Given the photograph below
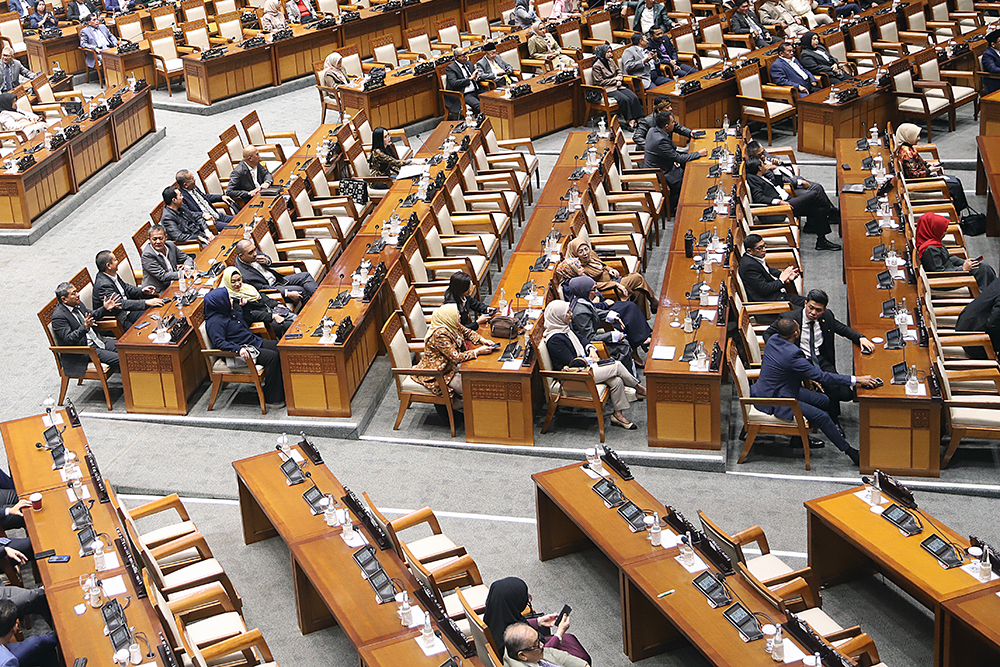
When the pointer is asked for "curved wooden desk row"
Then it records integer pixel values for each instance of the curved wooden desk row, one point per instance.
(80, 636)
(329, 588)
(57, 173)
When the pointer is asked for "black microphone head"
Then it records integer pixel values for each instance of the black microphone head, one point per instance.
(341, 276)
(307, 474)
(330, 304)
(367, 246)
(864, 478)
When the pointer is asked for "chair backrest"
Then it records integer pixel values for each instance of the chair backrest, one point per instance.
(481, 635)
(196, 34)
(722, 539)
(210, 181)
(418, 41)
(359, 163)
(300, 199)
(413, 313)
(282, 220)
(456, 196)
(161, 43)
(141, 237)
(942, 376)
(194, 10)
(750, 338)
(22, 102)
(422, 574)
(129, 27)
(443, 216)
(965, 5)
(380, 518)
(684, 38)
(939, 10)
(43, 89)
(862, 37)
(397, 279)
(224, 7)
(927, 64)
(230, 26)
(506, 9)
(836, 45)
(231, 139)
(384, 50)
(887, 28)
(478, 22)
(569, 34)
(321, 186)
(330, 7)
(362, 127)
(510, 54)
(711, 30)
(448, 31)
(351, 60)
(163, 17)
(544, 9)
(544, 360)
(253, 129)
(415, 266)
(85, 286)
(738, 371)
(600, 26)
(915, 19)
(748, 81)
(125, 271)
(902, 77)
(10, 27)
(777, 603)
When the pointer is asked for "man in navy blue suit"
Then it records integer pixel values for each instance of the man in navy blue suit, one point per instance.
(786, 70)
(991, 63)
(783, 368)
(201, 204)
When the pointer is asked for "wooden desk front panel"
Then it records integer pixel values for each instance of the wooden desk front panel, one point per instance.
(374, 25)
(295, 57)
(970, 636)
(23, 197)
(498, 407)
(64, 50)
(92, 150)
(159, 379)
(901, 437)
(229, 75)
(820, 125)
(30, 467)
(702, 107)
(989, 114)
(118, 68)
(133, 121)
(398, 104)
(683, 411)
(534, 115)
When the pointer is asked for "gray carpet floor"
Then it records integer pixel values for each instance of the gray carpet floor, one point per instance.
(484, 499)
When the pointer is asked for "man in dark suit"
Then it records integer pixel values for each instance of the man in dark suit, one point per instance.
(181, 224)
(666, 54)
(38, 650)
(162, 260)
(201, 204)
(818, 326)
(462, 76)
(249, 177)
(982, 315)
(782, 173)
(646, 123)
(762, 282)
(95, 36)
(783, 368)
(12, 71)
(79, 11)
(255, 267)
(649, 14)
(786, 70)
(812, 204)
(991, 63)
(73, 324)
(661, 153)
(745, 21)
(135, 300)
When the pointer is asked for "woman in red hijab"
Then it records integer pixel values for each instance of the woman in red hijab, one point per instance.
(934, 257)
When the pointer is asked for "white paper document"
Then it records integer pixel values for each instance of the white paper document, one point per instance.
(664, 352)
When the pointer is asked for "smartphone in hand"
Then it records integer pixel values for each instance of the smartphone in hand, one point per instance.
(565, 612)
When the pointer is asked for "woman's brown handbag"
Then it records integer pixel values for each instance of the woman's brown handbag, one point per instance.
(502, 326)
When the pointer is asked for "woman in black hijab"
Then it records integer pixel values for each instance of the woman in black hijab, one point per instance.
(506, 601)
(13, 119)
(606, 74)
(815, 58)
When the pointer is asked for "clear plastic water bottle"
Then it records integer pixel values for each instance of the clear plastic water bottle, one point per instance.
(725, 122)
(912, 382)
(182, 281)
(330, 511)
(405, 611)
(427, 633)
(655, 531)
(602, 128)
(778, 650)
(98, 548)
(985, 566)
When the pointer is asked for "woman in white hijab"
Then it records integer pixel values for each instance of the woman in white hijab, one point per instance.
(334, 75)
(915, 166)
(567, 352)
(273, 18)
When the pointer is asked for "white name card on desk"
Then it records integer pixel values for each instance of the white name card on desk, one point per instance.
(709, 314)
(921, 390)
(664, 352)
(110, 561)
(695, 567)
(72, 496)
(512, 365)
(973, 571)
(436, 647)
(56, 420)
(793, 655)
(113, 586)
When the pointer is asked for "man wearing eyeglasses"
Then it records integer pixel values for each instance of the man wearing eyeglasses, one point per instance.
(762, 282)
(526, 648)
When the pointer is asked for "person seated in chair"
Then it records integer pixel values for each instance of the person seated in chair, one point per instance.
(12, 71)
(638, 60)
(524, 647)
(181, 224)
(991, 63)
(42, 18)
(666, 54)
(249, 177)
(95, 36)
(494, 68)
(73, 324)
(661, 153)
(462, 76)
(812, 204)
(915, 166)
(931, 229)
(134, 300)
(162, 260)
(762, 282)
(646, 123)
(79, 11)
(781, 173)
(745, 21)
(543, 46)
(786, 70)
(257, 307)
(202, 204)
(817, 59)
(39, 650)
(773, 12)
(255, 267)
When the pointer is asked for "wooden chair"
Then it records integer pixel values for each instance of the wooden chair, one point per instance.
(125, 270)
(352, 61)
(258, 137)
(497, 148)
(571, 389)
(418, 41)
(230, 27)
(163, 17)
(757, 422)
(408, 389)
(913, 104)
(957, 96)
(891, 38)
(572, 41)
(461, 247)
(212, 615)
(968, 416)
(384, 51)
(129, 27)
(436, 549)
(449, 34)
(489, 226)
(950, 24)
(767, 567)
(445, 580)
(250, 641)
(194, 10)
(233, 142)
(501, 182)
(689, 51)
(413, 317)
(328, 7)
(512, 56)
(219, 371)
(95, 369)
(334, 218)
(446, 94)
(167, 63)
(486, 647)
(223, 7)
(764, 102)
(362, 129)
(606, 105)
(11, 34)
(484, 163)
(314, 241)
(477, 24)
(863, 48)
(329, 97)
(196, 35)
(713, 33)
(326, 201)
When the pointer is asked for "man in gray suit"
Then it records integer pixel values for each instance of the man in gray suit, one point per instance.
(637, 61)
(494, 68)
(96, 36)
(162, 260)
(12, 71)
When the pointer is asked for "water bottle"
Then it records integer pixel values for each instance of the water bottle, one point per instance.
(903, 317)
(985, 566)
(131, 81)
(655, 531)
(181, 281)
(687, 551)
(688, 324)
(778, 650)
(427, 633)
(689, 244)
(405, 611)
(912, 383)
(98, 548)
(725, 122)
(330, 511)
(602, 128)
(704, 295)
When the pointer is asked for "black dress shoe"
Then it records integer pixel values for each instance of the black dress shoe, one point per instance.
(825, 244)
(854, 455)
(814, 443)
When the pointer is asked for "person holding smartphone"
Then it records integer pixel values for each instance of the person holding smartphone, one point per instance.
(472, 311)
(525, 647)
(931, 229)
(505, 606)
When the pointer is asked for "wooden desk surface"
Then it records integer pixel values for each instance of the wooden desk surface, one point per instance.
(865, 299)
(979, 610)
(569, 487)
(30, 467)
(989, 150)
(403, 650)
(851, 518)
(282, 503)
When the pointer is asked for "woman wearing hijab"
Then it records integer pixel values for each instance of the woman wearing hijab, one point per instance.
(607, 74)
(256, 307)
(505, 604)
(383, 160)
(472, 311)
(227, 330)
(590, 310)
(637, 329)
(915, 166)
(524, 15)
(931, 228)
(444, 349)
(815, 58)
(273, 18)
(632, 287)
(568, 352)
(13, 119)
(543, 46)
(334, 74)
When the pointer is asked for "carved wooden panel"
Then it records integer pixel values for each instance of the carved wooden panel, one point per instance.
(920, 419)
(298, 363)
(683, 393)
(489, 391)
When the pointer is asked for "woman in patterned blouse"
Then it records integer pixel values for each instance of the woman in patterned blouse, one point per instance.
(383, 160)
(444, 350)
(915, 166)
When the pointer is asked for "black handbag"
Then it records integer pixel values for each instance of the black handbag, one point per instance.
(593, 97)
(973, 223)
(356, 189)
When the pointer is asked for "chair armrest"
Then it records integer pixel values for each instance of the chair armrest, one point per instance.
(183, 543)
(243, 642)
(172, 501)
(752, 534)
(284, 134)
(422, 515)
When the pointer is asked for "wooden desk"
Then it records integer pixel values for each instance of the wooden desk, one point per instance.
(238, 71)
(294, 57)
(403, 100)
(547, 108)
(822, 124)
(403, 650)
(118, 68)
(847, 540)
(970, 636)
(30, 467)
(64, 50)
(25, 196)
(989, 156)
